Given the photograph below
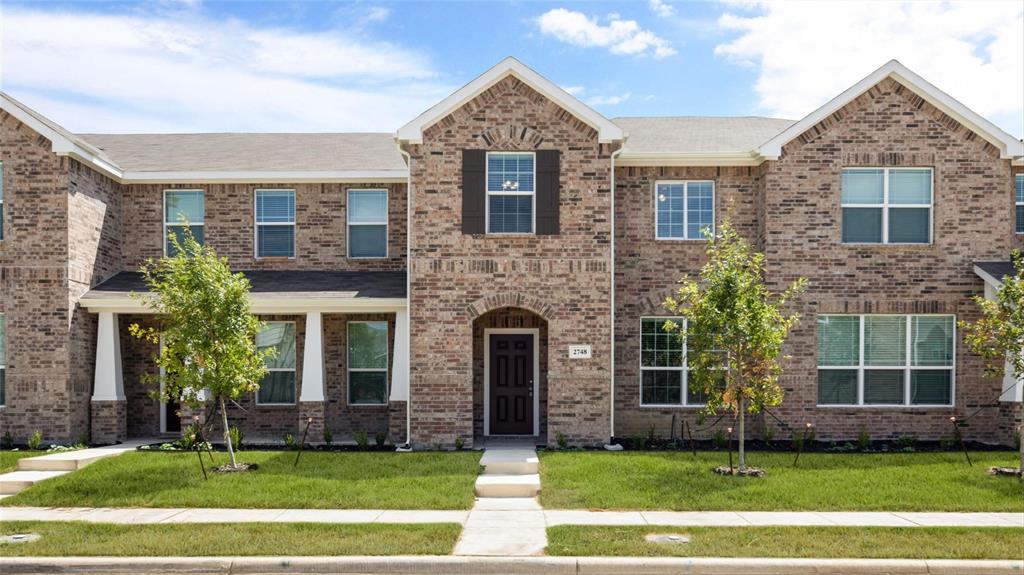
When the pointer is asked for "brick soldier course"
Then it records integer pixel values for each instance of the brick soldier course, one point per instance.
(78, 216)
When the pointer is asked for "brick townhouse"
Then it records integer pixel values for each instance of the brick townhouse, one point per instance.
(496, 266)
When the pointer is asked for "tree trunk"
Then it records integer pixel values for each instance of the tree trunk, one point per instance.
(740, 415)
(227, 434)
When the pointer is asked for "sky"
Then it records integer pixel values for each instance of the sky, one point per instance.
(210, 66)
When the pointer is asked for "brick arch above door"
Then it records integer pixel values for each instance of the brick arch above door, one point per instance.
(509, 299)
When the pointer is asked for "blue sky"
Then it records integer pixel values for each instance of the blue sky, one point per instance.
(201, 65)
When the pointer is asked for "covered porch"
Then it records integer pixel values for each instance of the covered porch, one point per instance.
(323, 323)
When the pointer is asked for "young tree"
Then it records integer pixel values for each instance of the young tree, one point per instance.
(998, 336)
(206, 329)
(734, 329)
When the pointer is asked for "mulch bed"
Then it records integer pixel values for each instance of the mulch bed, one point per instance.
(1011, 471)
(748, 472)
(241, 467)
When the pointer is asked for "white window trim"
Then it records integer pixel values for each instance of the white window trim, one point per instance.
(685, 368)
(1017, 178)
(349, 370)
(166, 223)
(489, 193)
(295, 383)
(257, 224)
(686, 210)
(3, 361)
(349, 223)
(908, 368)
(885, 205)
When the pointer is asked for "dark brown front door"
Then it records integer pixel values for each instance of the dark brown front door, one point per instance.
(172, 423)
(511, 384)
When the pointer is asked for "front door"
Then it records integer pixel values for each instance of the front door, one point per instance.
(510, 377)
(172, 423)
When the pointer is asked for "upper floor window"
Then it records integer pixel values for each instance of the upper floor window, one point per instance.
(3, 361)
(684, 209)
(368, 362)
(664, 375)
(278, 385)
(887, 205)
(187, 204)
(885, 359)
(510, 192)
(367, 223)
(275, 223)
(1019, 197)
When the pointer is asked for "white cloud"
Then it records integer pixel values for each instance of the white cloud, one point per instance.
(808, 52)
(188, 72)
(574, 90)
(618, 35)
(661, 8)
(608, 100)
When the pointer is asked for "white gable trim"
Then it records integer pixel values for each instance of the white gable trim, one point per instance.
(1009, 146)
(63, 143)
(607, 130)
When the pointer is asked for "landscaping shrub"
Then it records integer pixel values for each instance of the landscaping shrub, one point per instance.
(459, 444)
(905, 443)
(381, 437)
(719, 440)
(362, 440)
(289, 441)
(35, 440)
(7, 442)
(328, 436)
(236, 436)
(560, 439)
(863, 439)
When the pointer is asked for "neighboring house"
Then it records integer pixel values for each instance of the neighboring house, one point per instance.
(475, 274)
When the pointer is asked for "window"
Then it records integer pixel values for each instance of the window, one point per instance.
(1018, 197)
(663, 369)
(275, 223)
(187, 204)
(3, 361)
(887, 205)
(278, 386)
(684, 210)
(367, 223)
(368, 362)
(510, 193)
(885, 359)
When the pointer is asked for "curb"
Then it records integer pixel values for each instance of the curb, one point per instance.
(432, 565)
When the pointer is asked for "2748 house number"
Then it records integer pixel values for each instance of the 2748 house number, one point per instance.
(579, 352)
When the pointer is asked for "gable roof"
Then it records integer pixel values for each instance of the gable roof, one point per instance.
(607, 130)
(695, 140)
(1009, 147)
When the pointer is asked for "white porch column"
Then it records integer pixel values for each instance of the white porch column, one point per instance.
(400, 366)
(313, 359)
(108, 385)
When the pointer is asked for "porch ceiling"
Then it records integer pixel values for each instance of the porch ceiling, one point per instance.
(276, 291)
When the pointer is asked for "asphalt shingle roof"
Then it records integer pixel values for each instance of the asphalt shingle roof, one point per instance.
(368, 284)
(696, 134)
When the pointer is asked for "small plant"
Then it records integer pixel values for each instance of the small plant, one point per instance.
(905, 443)
(362, 440)
(652, 436)
(189, 436)
(289, 441)
(328, 436)
(236, 436)
(35, 440)
(7, 442)
(863, 439)
(62, 448)
(769, 433)
(844, 448)
(638, 442)
(459, 444)
(84, 438)
(381, 437)
(719, 440)
(560, 439)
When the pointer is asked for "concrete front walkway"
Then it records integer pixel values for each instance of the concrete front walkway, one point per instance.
(507, 516)
(32, 470)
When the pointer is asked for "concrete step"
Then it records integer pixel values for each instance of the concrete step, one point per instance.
(508, 485)
(506, 461)
(512, 468)
(16, 481)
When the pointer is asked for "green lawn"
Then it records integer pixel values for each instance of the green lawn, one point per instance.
(823, 482)
(68, 538)
(348, 480)
(819, 542)
(9, 459)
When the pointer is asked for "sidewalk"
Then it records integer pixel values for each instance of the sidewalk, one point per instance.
(551, 517)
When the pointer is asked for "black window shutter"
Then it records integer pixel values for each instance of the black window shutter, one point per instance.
(474, 191)
(547, 192)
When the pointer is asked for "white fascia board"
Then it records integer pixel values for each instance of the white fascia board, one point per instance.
(690, 159)
(247, 177)
(989, 278)
(1017, 162)
(1009, 146)
(262, 303)
(607, 130)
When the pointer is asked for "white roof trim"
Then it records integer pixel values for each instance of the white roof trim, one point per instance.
(989, 278)
(254, 177)
(1009, 146)
(607, 130)
(63, 143)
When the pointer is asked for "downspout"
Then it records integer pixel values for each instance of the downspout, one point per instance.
(611, 417)
(408, 291)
